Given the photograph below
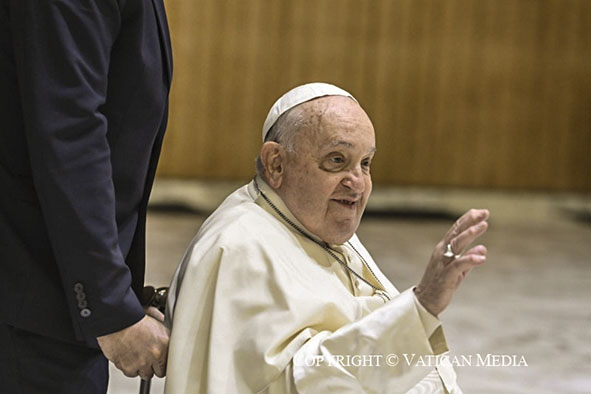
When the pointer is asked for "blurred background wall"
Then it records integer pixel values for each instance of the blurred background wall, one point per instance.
(492, 94)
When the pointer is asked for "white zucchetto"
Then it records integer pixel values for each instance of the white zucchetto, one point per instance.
(299, 95)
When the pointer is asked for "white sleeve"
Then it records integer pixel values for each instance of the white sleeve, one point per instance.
(377, 353)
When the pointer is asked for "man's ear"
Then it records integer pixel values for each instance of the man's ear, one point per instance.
(273, 158)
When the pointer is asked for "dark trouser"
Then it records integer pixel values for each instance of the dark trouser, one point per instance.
(34, 364)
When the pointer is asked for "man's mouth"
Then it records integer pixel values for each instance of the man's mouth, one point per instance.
(348, 203)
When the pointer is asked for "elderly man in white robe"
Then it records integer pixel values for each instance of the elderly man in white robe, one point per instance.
(276, 293)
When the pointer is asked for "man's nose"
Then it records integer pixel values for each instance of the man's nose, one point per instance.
(354, 180)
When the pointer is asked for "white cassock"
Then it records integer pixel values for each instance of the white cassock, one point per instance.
(256, 307)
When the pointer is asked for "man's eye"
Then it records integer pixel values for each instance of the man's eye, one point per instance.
(334, 163)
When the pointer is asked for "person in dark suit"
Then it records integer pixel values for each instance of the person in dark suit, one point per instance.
(84, 88)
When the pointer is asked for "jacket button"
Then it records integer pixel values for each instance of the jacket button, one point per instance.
(82, 304)
(78, 287)
(85, 312)
(80, 296)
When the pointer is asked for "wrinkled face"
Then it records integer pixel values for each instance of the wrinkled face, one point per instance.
(326, 181)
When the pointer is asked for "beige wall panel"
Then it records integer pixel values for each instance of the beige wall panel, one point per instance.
(471, 93)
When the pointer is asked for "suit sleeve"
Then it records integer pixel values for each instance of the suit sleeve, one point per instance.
(62, 52)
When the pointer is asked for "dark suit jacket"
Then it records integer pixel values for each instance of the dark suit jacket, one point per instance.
(83, 108)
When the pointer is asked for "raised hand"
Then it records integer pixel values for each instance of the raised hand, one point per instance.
(444, 274)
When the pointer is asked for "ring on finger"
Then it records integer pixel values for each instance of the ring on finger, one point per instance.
(449, 253)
